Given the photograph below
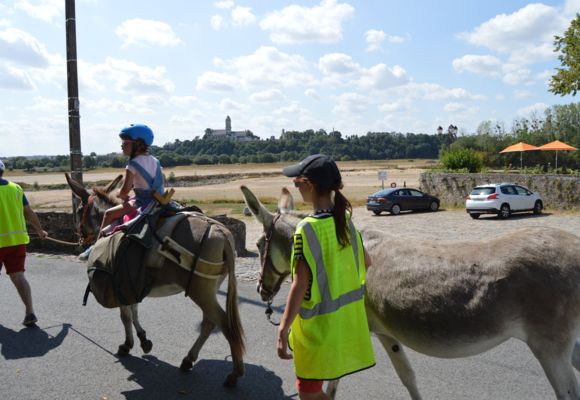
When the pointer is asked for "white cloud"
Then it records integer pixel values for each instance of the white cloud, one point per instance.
(522, 94)
(228, 105)
(396, 106)
(125, 77)
(313, 94)
(515, 74)
(526, 27)
(537, 108)
(351, 103)
(14, 78)
(267, 96)
(268, 67)
(45, 10)
(218, 82)
(20, 47)
(242, 16)
(224, 4)
(481, 65)
(184, 101)
(105, 105)
(338, 64)
(454, 107)
(298, 24)
(216, 22)
(381, 77)
(374, 39)
(147, 32)
(571, 7)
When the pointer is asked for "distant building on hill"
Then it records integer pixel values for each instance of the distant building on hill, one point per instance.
(240, 136)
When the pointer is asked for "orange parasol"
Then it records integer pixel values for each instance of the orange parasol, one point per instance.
(557, 145)
(521, 147)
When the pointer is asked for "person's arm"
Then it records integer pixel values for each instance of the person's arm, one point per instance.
(33, 220)
(127, 186)
(295, 297)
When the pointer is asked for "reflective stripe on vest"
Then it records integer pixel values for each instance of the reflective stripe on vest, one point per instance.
(327, 303)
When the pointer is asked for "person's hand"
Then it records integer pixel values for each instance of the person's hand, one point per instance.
(42, 234)
(282, 345)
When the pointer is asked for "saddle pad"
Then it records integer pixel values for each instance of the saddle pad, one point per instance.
(154, 259)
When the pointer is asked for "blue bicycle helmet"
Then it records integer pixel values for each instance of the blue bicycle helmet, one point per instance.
(136, 132)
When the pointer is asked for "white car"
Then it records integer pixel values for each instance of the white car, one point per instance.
(502, 199)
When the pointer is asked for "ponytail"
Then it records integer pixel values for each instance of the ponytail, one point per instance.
(341, 206)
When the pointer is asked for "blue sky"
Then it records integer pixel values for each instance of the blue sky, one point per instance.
(181, 66)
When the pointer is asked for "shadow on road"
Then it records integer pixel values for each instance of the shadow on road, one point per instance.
(29, 342)
(160, 380)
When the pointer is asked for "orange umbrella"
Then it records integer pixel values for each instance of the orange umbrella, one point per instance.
(521, 147)
(557, 145)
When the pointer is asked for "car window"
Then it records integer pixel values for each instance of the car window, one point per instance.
(404, 192)
(508, 190)
(522, 191)
(483, 190)
(415, 193)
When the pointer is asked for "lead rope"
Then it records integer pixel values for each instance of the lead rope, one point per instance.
(269, 313)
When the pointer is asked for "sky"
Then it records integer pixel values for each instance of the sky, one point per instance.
(182, 66)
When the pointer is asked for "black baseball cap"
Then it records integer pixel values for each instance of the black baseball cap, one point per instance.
(319, 169)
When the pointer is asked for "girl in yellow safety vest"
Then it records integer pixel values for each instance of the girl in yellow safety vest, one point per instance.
(325, 323)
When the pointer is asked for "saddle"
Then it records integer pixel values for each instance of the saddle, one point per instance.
(118, 266)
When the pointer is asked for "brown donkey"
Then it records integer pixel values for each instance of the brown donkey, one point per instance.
(217, 250)
(453, 300)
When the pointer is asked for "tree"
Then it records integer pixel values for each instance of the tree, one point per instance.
(567, 79)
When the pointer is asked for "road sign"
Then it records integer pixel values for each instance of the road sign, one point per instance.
(382, 178)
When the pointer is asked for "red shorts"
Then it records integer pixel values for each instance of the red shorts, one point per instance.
(13, 258)
(308, 385)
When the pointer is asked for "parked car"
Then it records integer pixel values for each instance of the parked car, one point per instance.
(502, 199)
(395, 200)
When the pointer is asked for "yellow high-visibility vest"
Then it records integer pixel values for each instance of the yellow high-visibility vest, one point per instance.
(330, 336)
(12, 222)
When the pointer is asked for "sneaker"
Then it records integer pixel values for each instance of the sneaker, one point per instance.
(30, 320)
(84, 256)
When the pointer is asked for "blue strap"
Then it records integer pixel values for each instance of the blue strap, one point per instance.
(155, 184)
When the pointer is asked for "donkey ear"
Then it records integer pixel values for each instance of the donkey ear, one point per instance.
(111, 186)
(260, 212)
(77, 188)
(286, 201)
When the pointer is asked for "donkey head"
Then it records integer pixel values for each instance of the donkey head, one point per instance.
(89, 213)
(275, 244)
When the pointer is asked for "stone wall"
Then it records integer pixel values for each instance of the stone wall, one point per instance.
(558, 191)
(60, 226)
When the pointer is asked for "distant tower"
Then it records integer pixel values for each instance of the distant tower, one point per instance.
(228, 125)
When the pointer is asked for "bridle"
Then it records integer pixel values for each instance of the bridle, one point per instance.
(87, 206)
(267, 264)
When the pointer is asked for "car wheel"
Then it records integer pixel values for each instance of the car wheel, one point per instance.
(434, 206)
(377, 212)
(538, 207)
(474, 216)
(396, 209)
(504, 211)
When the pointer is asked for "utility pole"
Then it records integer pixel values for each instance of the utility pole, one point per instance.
(74, 127)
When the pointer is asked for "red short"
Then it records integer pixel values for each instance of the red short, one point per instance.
(13, 258)
(308, 385)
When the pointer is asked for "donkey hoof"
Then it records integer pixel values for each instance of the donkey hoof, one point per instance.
(231, 381)
(124, 350)
(146, 345)
(186, 365)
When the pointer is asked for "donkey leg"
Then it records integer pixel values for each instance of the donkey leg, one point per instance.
(401, 364)
(556, 360)
(207, 327)
(146, 344)
(127, 319)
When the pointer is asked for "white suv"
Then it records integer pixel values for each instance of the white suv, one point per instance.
(502, 199)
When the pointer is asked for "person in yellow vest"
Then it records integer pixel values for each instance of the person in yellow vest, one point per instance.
(325, 323)
(14, 213)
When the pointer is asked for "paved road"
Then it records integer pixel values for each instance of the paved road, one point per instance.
(70, 354)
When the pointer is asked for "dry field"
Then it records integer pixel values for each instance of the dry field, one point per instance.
(360, 180)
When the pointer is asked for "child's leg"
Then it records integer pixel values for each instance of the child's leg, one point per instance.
(115, 213)
(310, 389)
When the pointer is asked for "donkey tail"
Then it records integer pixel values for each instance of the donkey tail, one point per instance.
(234, 324)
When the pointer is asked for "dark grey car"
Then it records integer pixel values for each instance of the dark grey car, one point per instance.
(396, 200)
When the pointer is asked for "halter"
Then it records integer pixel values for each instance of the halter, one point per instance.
(85, 213)
(267, 264)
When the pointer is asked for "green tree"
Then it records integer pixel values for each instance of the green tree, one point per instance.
(567, 79)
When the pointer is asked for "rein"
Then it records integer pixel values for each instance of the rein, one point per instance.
(267, 264)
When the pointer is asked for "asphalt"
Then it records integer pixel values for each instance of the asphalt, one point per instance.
(70, 354)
